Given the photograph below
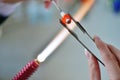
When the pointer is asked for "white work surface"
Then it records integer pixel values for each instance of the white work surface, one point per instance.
(25, 35)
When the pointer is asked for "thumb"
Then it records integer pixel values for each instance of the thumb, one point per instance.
(93, 65)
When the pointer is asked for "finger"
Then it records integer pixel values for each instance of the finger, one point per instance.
(115, 51)
(94, 69)
(109, 59)
(104, 50)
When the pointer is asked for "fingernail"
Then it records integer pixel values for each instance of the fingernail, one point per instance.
(96, 38)
(86, 53)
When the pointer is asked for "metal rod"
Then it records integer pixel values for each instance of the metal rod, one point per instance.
(56, 5)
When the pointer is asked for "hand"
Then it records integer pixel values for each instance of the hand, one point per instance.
(12, 1)
(111, 59)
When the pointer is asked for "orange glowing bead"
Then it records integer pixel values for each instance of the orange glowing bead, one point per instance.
(66, 19)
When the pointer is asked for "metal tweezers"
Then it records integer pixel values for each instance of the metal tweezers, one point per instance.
(76, 37)
(74, 34)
